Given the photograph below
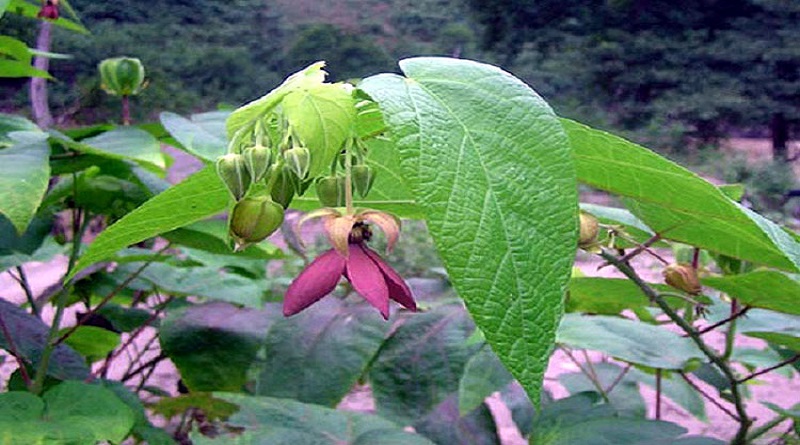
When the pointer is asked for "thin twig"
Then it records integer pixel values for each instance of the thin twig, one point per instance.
(639, 248)
(709, 397)
(152, 361)
(12, 348)
(765, 428)
(587, 373)
(721, 322)
(618, 378)
(788, 361)
(658, 394)
(26, 287)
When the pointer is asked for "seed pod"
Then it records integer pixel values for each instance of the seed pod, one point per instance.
(284, 188)
(299, 160)
(330, 191)
(257, 159)
(363, 178)
(254, 219)
(122, 76)
(683, 277)
(233, 172)
(589, 229)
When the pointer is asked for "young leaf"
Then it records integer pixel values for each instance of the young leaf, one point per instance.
(491, 169)
(24, 174)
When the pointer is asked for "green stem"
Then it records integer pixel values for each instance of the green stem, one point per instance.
(744, 420)
(348, 184)
(730, 334)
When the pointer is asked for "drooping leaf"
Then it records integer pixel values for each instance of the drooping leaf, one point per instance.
(198, 135)
(766, 289)
(318, 355)
(214, 344)
(421, 364)
(196, 198)
(483, 375)
(24, 174)
(628, 340)
(126, 143)
(676, 203)
(29, 335)
(268, 421)
(490, 167)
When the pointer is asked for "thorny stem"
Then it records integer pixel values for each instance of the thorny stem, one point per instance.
(788, 361)
(744, 420)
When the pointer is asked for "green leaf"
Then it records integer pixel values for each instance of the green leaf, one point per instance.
(483, 375)
(142, 428)
(446, 425)
(421, 364)
(318, 355)
(611, 296)
(24, 175)
(213, 408)
(197, 134)
(766, 289)
(14, 68)
(93, 407)
(323, 117)
(29, 334)
(26, 9)
(677, 203)
(628, 340)
(214, 344)
(268, 421)
(198, 197)
(674, 387)
(211, 236)
(126, 143)
(3, 6)
(93, 342)
(20, 406)
(492, 171)
(10, 123)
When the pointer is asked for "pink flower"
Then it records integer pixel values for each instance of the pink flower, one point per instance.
(49, 10)
(369, 275)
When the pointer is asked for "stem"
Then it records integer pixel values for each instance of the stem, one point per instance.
(618, 378)
(730, 334)
(38, 88)
(744, 420)
(592, 378)
(348, 185)
(12, 348)
(658, 394)
(763, 429)
(126, 110)
(722, 322)
(641, 247)
(788, 361)
(708, 397)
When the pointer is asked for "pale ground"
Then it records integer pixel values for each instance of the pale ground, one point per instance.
(772, 387)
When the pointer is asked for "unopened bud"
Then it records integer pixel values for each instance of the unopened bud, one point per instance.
(254, 219)
(330, 191)
(683, 277)
(283, 188)
(257, 159)
(589, 230)
(363, 178)
(122, 76)
(299, 160)
(233, 172)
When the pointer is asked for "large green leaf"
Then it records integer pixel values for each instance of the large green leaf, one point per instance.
(318, 355)
(268, 421)
(610, 296)
(490, 167)
(198, 197)
(24, 174)
(214, 344)
(12, 122)
(766, 289)
(93, 342)
(95, 407)
(677, 203)
(628, 340)
(483, 375)
(28, 336)
(421, 364)
(199, 135)
(126, 143)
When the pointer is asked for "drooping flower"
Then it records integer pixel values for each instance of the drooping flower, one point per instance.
(367, 272)
(49, 10)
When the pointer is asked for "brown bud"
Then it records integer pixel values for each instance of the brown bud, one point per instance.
(589, 229)
(683, 277)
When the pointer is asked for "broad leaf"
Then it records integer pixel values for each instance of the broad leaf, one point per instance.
(15, 68)
(676, 203)
(446, 425)
(211, 236)
(142, 428)
(318, 355)
(483, 375)
(610, 296)
(421, 364)
(24, 174)
(126, 143)
(198, 197)
(624, 396)
(11, 123)
(98, 408)
(93, 342)
(628, 340)
(766, 289)
(29, 335)
(197, 135)
(491, 169)
(214, 344)
(268, 421)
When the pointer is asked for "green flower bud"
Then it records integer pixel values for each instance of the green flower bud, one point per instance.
(284, 187)
(363, 178)
(299, 160)
(257, 159)
(683, 277)
(254, 219)
(122, 76)
(330, 191)
(233, 172)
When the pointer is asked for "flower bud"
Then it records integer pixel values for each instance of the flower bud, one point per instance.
(122, 76)
(299, 160)
(330, 191)
(589, 229)
(254, 219)
(233, 172)
(257, 159)
(363, 177)
(683, 277)
(283, 188)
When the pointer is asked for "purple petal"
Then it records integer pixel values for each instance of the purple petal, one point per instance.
(398, 289)
(367, 279)
(314, 282)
